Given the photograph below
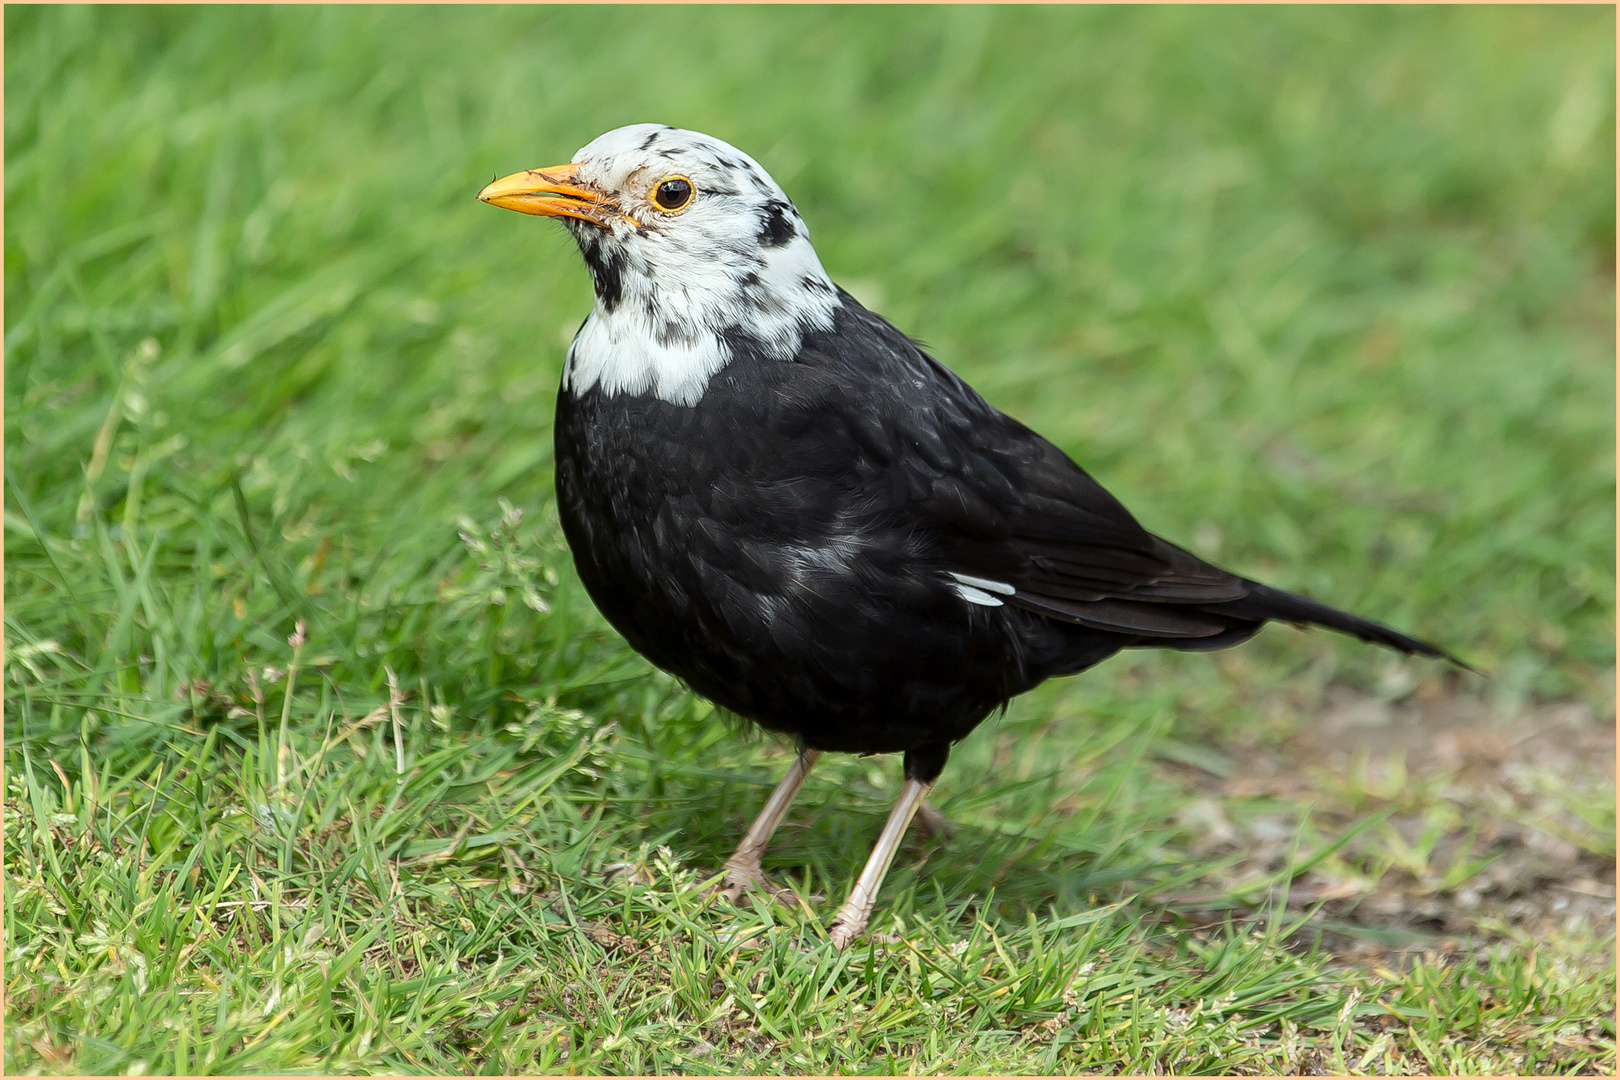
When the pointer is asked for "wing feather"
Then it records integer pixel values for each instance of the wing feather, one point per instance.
(1005, 507)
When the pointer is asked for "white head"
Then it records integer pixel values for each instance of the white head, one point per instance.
(691, 245)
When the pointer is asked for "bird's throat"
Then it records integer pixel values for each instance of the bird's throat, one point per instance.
(665, 326)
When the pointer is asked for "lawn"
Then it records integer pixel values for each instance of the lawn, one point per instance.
(318, 758)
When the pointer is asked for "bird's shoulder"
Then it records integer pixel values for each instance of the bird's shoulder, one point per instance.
(1007, 506)
(868, 382)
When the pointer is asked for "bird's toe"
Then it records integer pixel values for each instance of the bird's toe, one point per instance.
(728, 889)
(739, 880)
(842, 933)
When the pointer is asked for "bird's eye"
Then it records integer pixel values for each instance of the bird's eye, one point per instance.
(673, 194)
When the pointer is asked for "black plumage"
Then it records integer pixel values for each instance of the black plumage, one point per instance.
(778, 497)
(784, 547)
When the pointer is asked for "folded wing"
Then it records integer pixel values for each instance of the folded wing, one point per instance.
(1028, 527)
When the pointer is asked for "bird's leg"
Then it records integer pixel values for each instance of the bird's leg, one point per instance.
(742, 870)
(850, 922)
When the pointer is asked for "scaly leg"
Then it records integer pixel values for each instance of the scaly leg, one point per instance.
(742, 870)
(850, 923)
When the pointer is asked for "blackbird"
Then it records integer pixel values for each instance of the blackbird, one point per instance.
(785, 502)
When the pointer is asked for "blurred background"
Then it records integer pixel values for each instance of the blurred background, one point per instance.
(1326, 295)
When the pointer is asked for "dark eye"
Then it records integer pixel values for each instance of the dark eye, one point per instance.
(673, 194)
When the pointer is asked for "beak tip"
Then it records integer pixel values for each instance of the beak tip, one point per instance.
(548, 192)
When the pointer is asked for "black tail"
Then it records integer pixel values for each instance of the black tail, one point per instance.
(1264, 602)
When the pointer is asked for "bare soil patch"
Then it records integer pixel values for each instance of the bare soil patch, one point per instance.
(1500, 825)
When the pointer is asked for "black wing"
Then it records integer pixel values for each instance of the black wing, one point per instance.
(1016, 518)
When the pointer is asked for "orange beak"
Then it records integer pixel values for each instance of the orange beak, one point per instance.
(550, 192)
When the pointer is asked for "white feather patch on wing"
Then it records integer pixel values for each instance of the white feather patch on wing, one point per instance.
(984, 584)
(974, 596)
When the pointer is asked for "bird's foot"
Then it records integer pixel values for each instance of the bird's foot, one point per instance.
(842, 933)
(736, 881)
(739, 880)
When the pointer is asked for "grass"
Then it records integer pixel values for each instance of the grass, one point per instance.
(318, 759)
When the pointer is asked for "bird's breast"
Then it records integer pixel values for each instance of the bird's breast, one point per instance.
(633, 351)
(722, 509)
(774, 568)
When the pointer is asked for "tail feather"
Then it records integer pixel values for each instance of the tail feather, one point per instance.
(1264, 602)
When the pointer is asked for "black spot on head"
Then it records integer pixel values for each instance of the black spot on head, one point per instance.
(652, 137)
(776, 228)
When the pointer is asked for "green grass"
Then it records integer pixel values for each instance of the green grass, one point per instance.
(1325, 293)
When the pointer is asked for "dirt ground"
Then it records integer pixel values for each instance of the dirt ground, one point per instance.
(1502, 825)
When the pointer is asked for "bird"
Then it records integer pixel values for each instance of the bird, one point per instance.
(782, 500)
